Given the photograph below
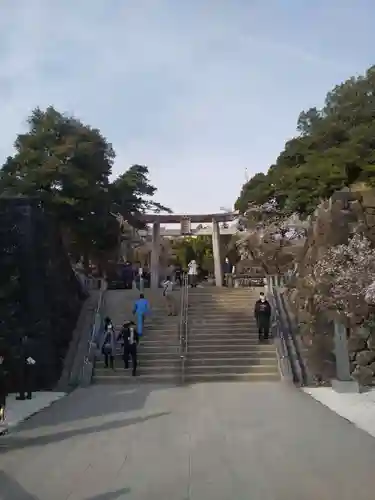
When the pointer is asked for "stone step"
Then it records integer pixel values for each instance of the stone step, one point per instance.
(215, 301)
(235, 342)
(250, 352)
(211, 312)
(160, 323)
(154, 350)
(235, 302)
(223, 315)
(228, 339)
(225, 331)
(143, 369)
(194, 299)
(152, 332)
(146, 355)
(149, 327)
(238, 360)
(159, 342)
(231, 377)
(150, 342)
(157, 349)
(228, 323)
(162, 335)
(123, 378)
(156, 361)
(237, 292)
(168, 320)
(192, 370)
(215, 347)
(223, 292)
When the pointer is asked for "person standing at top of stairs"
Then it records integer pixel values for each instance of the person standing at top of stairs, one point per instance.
(140, 310)
(262, 313)
(228, 272)
(192, 273)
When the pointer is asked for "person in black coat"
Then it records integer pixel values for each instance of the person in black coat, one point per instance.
(130, 339)
(262, 313)
(109, 343)
(26, 369)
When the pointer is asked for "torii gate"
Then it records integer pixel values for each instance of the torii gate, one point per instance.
(185, 221)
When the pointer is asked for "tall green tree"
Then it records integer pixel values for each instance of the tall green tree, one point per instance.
(335, 148)
(68, 164)
(131, 193)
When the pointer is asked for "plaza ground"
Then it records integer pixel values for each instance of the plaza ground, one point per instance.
(223, 441)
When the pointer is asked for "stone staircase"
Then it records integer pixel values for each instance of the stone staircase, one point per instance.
(158, 353)
(223, 338)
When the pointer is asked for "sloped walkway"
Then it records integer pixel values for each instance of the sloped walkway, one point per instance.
(243, 441)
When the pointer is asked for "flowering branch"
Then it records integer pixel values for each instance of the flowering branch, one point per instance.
(344, 278)
(269, 235)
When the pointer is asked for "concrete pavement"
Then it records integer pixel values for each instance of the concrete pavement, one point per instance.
(223, 441)
(18, 411)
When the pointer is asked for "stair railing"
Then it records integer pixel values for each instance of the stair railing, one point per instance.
(94, 340)
(290, 358)
(183, 324)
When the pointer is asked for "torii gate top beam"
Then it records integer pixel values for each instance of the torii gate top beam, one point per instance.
(194, 218)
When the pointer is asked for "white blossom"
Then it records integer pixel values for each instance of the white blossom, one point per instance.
(268, 235)
(344, 277)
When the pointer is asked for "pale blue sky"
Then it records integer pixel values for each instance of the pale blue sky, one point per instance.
(198, 90)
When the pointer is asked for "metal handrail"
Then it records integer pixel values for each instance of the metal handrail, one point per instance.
(183, 325)
(280, 337)
(88, 362)
(303, 372)
(288, 346)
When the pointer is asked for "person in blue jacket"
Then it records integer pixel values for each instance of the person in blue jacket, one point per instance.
(140, 310)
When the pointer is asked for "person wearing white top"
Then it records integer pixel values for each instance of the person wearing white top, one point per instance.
(192, 273)
(168, 295)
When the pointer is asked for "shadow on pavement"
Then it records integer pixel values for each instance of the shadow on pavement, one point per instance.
(12, 442)
(99, 400)
(95, 401)
(111, 495)
(10, 489)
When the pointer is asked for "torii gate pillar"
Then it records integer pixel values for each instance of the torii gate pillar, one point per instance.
(216, 253)
(155, 254)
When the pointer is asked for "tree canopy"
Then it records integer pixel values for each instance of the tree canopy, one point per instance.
(334, 148)
(68, 164)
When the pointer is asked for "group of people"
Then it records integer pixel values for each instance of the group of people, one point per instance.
(131, 331)
(129, 339)
(129, 336)
(135, 274)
